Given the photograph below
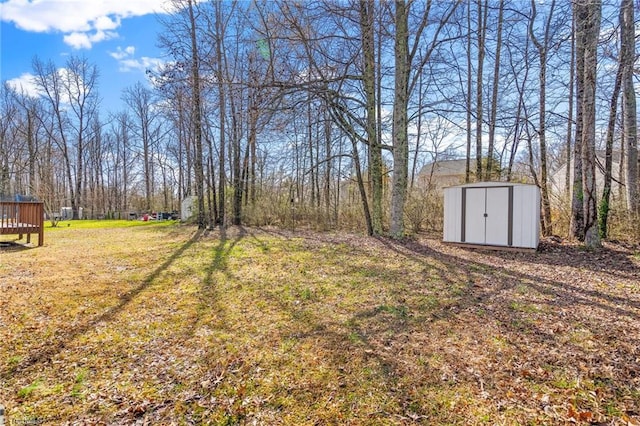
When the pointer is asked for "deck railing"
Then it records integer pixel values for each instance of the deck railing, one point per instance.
(22, 217)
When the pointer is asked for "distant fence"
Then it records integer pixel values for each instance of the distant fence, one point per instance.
(22, 217)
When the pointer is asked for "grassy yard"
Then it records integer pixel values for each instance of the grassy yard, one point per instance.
(162, 324)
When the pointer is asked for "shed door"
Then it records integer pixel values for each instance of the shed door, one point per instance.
(497, 215)
(474, 208)
(486, 216)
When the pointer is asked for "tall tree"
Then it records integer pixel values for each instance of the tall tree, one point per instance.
(572, 79)
(121, 128)
(468, 100)
(588, 13)
(483, 11)
(9, 111)
(543, 50)
(368, 79)
(630, 119)
(493, 116)
(603, 210)
(197, 114)
(72, 98)
(140, 100)
(410, 61)
(400, 119)
(577, 196)
(220, 60)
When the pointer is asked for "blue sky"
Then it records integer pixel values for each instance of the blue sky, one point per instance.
(119, 36)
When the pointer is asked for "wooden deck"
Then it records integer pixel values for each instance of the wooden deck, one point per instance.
(22, 218)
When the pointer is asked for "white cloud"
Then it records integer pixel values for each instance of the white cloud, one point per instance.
(105, 23)
(128, 62)
(25, 84)
(83, 22)
(79, 40)
(141, 64)
(121, 53)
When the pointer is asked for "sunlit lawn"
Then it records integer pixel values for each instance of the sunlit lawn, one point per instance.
(113, 322)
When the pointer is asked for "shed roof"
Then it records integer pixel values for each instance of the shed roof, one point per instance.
(490, 184)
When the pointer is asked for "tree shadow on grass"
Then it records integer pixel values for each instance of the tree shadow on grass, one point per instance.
(616, 262)
(365, 339)
(487, 298)
(374, 335)
(219, 263)
(392, 334)
(58, 344)
(512, 299)
(561, 292)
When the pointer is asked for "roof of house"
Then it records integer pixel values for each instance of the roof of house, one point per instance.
(447, 167)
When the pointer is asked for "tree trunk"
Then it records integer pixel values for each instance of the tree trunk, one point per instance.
(521, 109)
(236, 154)
(328, 164)
(542, 47)
(197, 118)
(482, 32)
(361, 189)
(369, 83)
(603, 210)
(627, 58)
(467, 171)
(222, 111)
(310, 139)
(572, 73)
(400, 121)
(577, 212)
(590, 24)
(494, 98)
(416, 153)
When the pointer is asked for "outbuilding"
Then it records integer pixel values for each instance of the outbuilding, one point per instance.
(493, 215)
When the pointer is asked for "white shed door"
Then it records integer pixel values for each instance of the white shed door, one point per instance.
(487, 216)
(497, 209)
(474, 215)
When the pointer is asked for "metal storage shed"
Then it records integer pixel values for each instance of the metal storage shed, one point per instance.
(492, 214)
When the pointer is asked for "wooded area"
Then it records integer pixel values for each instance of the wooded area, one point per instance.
(324, 113)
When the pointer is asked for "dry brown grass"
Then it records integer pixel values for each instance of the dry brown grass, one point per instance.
(165, 325)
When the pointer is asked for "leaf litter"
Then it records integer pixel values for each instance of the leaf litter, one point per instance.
(265, 326)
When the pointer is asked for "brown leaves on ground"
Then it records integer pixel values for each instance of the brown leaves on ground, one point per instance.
(170, 326)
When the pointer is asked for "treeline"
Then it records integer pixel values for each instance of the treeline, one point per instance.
(324, 112)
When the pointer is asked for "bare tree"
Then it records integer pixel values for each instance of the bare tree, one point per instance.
(140, 100)
(483, 11)
(588, 13)
(543, 50)
(220, 30)
(400, 119)
(369, 83)
(197, 114)
(570, 111)
(493, 116)
(603, 210)
(520, 124)
(410, 61)
(10, 113)
(577, 211)
(71, 95)
(468, 102)
(627, 62)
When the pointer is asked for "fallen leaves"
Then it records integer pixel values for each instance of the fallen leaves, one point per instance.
(579, 416)
(274, 327)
